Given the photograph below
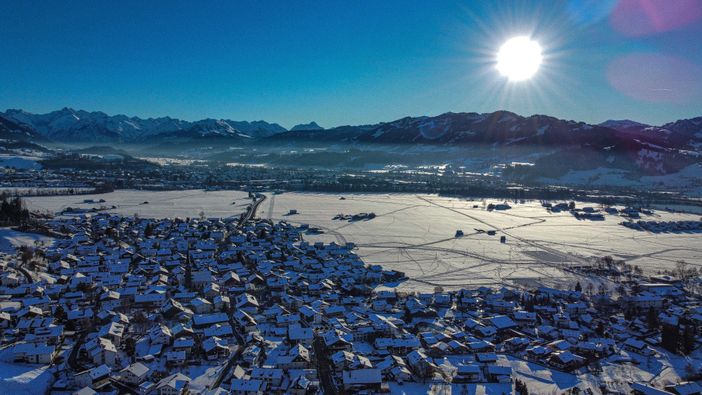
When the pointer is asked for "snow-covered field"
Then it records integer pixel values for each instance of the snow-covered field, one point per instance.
(415, 234)
(161, 204)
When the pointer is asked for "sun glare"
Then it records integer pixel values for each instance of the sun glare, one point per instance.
(519, 58)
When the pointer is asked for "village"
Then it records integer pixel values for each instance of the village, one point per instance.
(240, 305)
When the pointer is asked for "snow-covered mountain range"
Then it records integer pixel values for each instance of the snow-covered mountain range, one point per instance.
(68, 125)
(619, 143)
(501, 127)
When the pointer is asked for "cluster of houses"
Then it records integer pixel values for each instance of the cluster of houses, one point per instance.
(596, 214)
(354, 217)
(215, 306)
(664, 226)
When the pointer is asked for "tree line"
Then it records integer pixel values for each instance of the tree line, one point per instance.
(13, 211)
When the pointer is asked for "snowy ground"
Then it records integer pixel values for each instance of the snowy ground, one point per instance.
(10, 239)
(687, 181)
(415, 234)
(20, 379)
(161, 204)
(24, 379)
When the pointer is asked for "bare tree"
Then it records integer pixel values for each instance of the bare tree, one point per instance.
(26, 254)
(681, 270)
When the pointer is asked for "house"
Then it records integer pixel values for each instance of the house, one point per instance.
(297, 358)
(420, 363)
(643, 301)
(85, 391)
(565, 360)
(33, 353)
(299, 334)
(252, 354)
(247, 302)
(502, 323)
(498, 374)
(214, 348)
(661, 289)
(302, 385)
(271, 376)
(160, 334)
(94, 378)
(113, 332)
(175, 358)
(201, 305)
(347, 360)
(514, 344)
(400, 346)
(175, 384)
(201, 321)
(686, 388)
(102, 351)
(135, 373)
(637, 346)
(467, 374)
(525, 318)
(247, 387)
(362, 380)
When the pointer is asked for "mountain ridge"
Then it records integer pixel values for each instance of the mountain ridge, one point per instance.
(498, 127)
(623, 144)
(82, 126)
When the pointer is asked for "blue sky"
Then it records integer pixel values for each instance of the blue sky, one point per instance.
(345, 62)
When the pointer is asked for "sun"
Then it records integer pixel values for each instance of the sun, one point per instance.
(519, 58)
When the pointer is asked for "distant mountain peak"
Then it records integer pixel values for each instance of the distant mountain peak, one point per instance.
(621, 124)
(306, 126)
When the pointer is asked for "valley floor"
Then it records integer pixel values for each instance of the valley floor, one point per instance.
(415, 234)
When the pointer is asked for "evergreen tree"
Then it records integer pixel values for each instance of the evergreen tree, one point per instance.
(188, 272)
(600, 330)
(652, 318)
(149, 230)
(130, 348)
(688, 339)
(60, 313)
(669, 337)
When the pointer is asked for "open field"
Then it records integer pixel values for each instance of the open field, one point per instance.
(161, 203)
(415, 234)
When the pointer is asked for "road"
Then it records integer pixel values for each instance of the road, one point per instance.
(324, 368)
(26, 274)
(230, 363)
(74, 352)
(250, 213)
